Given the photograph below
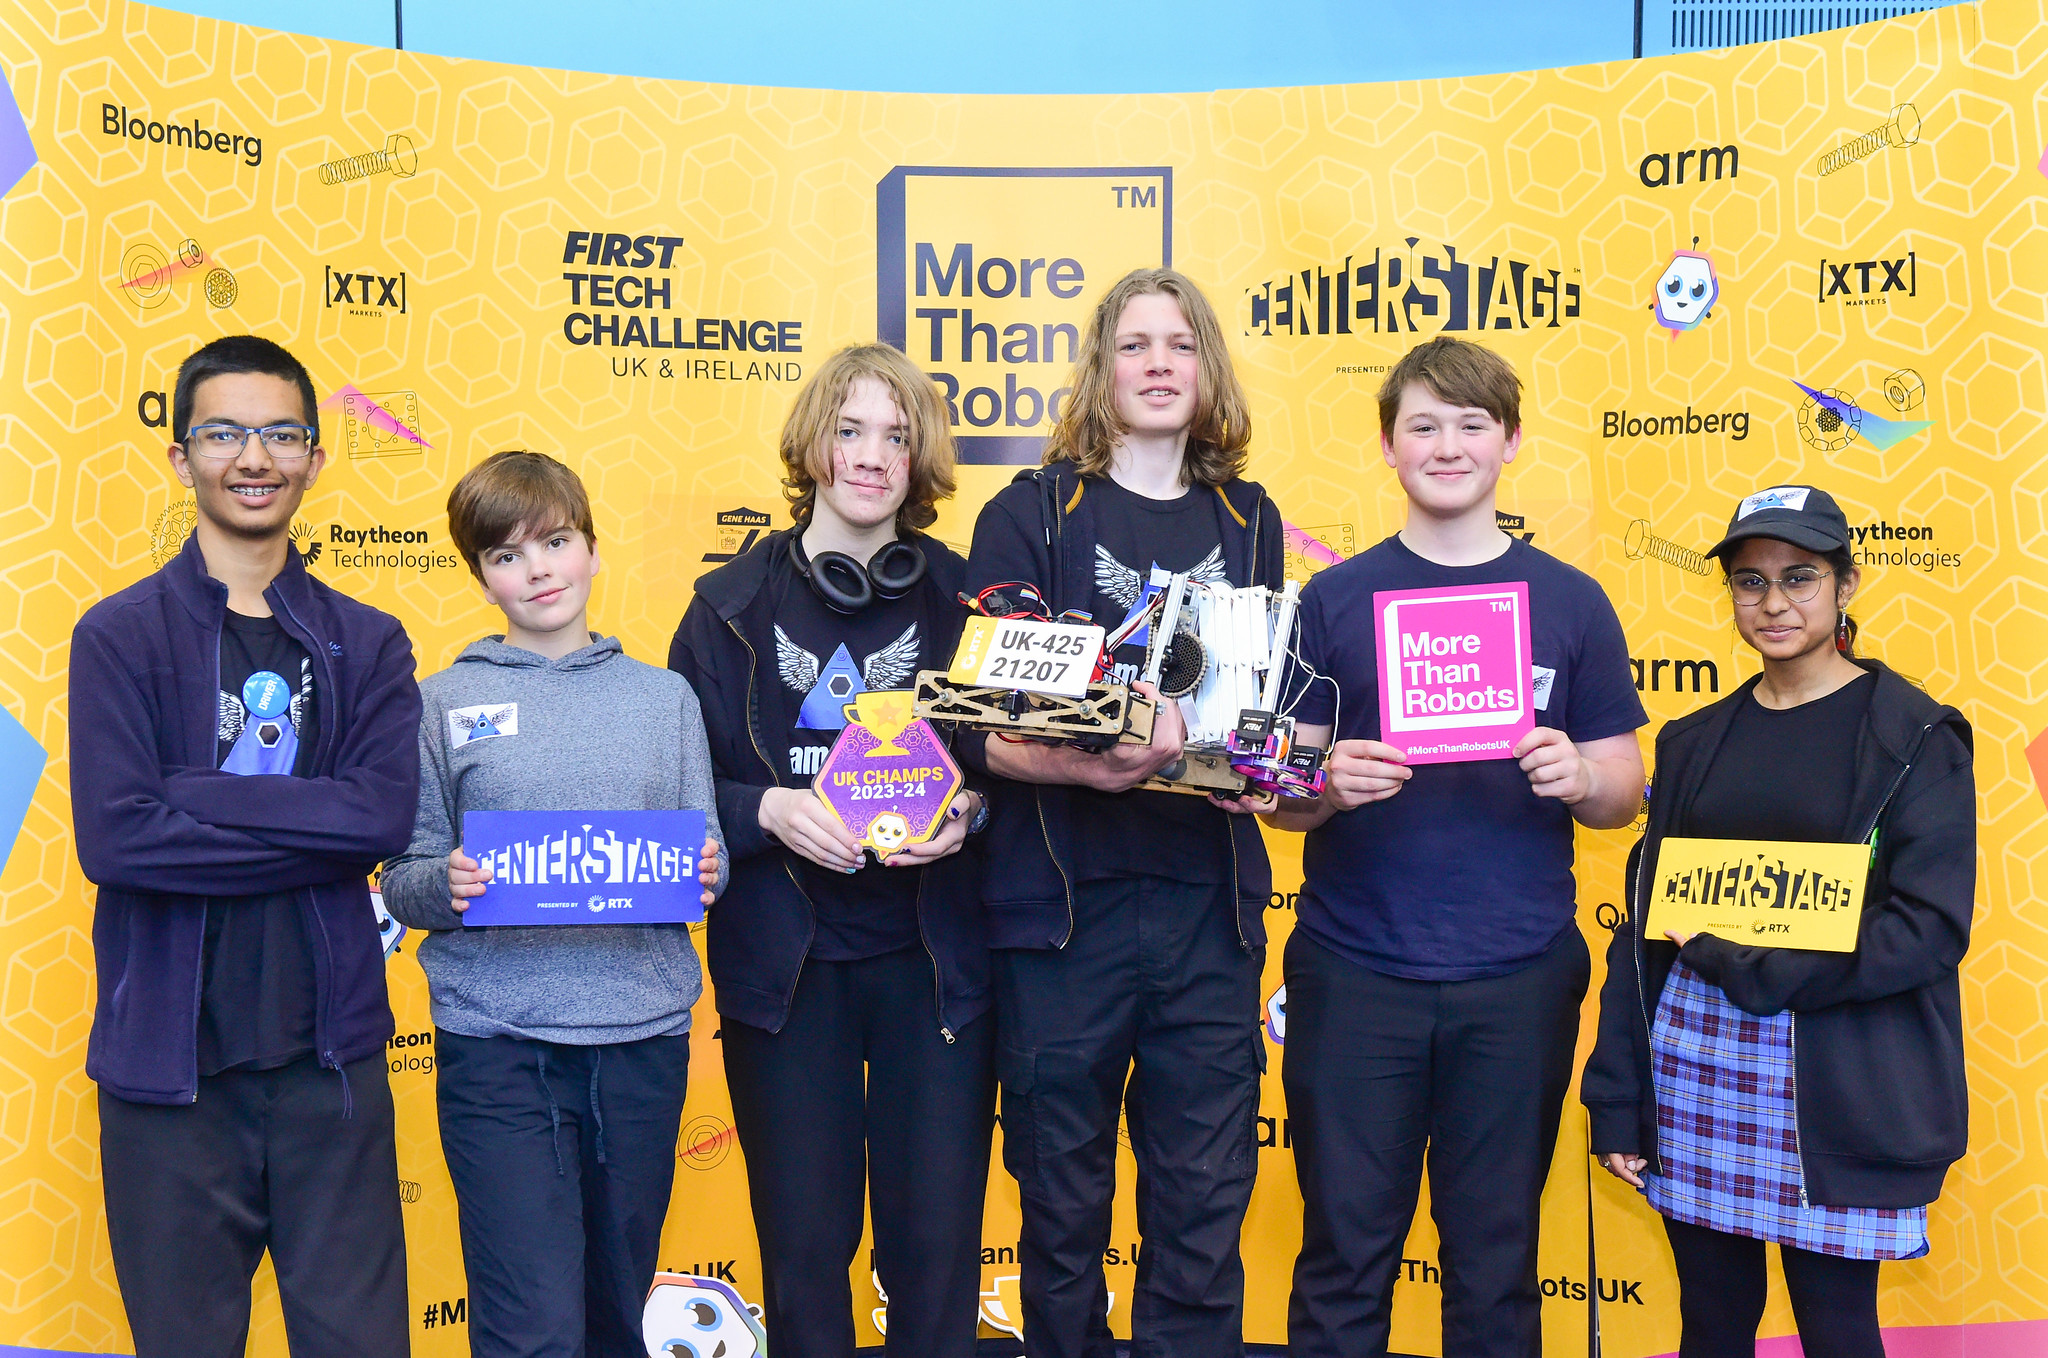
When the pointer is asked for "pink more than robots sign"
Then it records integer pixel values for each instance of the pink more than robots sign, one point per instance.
(1454, 671)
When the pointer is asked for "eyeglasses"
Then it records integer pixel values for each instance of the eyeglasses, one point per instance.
(1800, 585)
(220, 440)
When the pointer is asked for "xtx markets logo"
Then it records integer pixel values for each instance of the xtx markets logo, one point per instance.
(986, 278)
(1851, 280)
(625, 303)
(1411, 289)
(362, 293)
(117, 120)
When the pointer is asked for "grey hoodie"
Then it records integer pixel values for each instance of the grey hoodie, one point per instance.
(593, 731)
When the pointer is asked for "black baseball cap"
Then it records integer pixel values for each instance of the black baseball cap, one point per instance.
(1805, 516)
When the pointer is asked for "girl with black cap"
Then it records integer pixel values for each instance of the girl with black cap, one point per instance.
(1756, 1094)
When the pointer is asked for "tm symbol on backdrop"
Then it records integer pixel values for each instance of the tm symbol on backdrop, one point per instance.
(1686, 291)
(1638, 542)
(1830, 420)
(1902, 129)
(397, 158)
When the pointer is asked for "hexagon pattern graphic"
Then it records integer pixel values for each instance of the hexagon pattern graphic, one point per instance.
(637, 276)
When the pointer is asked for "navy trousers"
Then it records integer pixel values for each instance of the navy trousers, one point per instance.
(562, 1158)
(1152, 1009)
(292, 1159)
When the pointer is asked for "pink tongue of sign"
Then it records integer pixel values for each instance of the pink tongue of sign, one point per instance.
(376, 416)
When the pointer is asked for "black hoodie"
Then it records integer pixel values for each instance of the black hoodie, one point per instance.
(1877, 1034)
(759, 934)
(1041, 529)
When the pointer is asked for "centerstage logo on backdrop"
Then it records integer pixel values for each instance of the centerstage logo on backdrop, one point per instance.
(1660, 163)
(1852, 280)
(738, 530)
(986, 278)
(1412, 289)
(363, 293)
(618, 283)
(118, 120)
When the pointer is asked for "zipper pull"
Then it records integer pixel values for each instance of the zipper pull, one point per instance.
(947, 1033)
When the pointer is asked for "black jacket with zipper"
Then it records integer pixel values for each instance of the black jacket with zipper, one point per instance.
(1881, 1105)
(760, 932)
(1040, 529)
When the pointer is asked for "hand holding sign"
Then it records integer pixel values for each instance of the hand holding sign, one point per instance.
(1455, 680)
(1555, 766)
(1361, 771)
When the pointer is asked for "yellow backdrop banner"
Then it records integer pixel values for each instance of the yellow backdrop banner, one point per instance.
(1822, 260)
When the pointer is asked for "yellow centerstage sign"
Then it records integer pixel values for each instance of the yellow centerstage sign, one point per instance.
(1761, 892)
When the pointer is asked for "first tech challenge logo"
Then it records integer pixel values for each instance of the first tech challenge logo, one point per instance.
(621, 292)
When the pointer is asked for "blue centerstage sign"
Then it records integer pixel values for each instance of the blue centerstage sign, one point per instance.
(586, 867)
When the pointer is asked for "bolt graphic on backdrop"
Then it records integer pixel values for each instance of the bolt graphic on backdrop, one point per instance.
(1686, 291)
(1830, 420)
(1638, 542)
(397, 158)
(1905, 390)
(371, 429)
(1903, 129)
(220, 287)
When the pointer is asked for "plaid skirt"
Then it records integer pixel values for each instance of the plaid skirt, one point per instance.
(1729, 1140)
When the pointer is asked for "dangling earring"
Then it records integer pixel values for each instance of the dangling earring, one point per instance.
(1842, 632)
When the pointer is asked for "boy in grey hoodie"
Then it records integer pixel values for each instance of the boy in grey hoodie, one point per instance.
(562, 1051)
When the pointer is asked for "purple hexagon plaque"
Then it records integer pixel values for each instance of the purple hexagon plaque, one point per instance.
(889, 778)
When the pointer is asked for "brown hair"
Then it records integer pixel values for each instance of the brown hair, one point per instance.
(1461, 372)
(1089, 425)
(806, 443)
(511, 494)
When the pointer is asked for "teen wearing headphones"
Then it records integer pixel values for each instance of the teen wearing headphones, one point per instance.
(1815, 1099)
(854, 994)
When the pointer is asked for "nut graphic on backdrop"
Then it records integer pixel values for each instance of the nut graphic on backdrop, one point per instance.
(1902, 130)
(705, 1142)
(365, 436)
(167, 535)
(1638, 542)
(146, 275)
(397, 158)
(220, 287)
(1905, 390)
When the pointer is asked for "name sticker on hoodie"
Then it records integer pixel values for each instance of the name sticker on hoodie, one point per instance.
(467, 725)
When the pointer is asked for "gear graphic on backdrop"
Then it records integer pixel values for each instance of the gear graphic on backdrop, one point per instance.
(220, 287)
(1831, 419)
(167, 535)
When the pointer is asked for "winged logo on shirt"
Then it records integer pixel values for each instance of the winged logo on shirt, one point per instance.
(467, 725)
(829, 686)
(1127, 586)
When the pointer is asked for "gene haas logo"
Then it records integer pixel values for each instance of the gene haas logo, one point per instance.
(594, 856)
(619, 288)
(1761, 883)
(1852, 280)
(117, 120)
(1397, 291)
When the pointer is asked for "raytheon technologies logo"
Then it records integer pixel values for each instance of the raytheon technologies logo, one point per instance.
(986, 278)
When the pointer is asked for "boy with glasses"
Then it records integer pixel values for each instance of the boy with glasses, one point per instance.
(242, 756)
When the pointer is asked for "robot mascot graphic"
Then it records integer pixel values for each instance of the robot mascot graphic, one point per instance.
(689, 1317)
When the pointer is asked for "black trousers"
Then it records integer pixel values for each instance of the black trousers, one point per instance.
(562, 1159)
(860, 1096)
(1377, 1069)
(1152, 1008)
(289, 1159)
(1722, 1287)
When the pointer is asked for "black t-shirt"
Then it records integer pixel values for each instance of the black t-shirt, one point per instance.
(256, 992)
(1783, 773)
(824, 658)
(1465, 872)
(1154, 834)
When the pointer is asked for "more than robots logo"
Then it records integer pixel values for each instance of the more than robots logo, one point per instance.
(986, 277)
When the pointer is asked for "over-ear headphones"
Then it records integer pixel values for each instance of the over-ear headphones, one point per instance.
(846, 586)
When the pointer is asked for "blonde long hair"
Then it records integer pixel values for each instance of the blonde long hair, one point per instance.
(1089, 426)
(806, 443)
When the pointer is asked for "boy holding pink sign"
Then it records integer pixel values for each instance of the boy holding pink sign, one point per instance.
(1480, 697)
